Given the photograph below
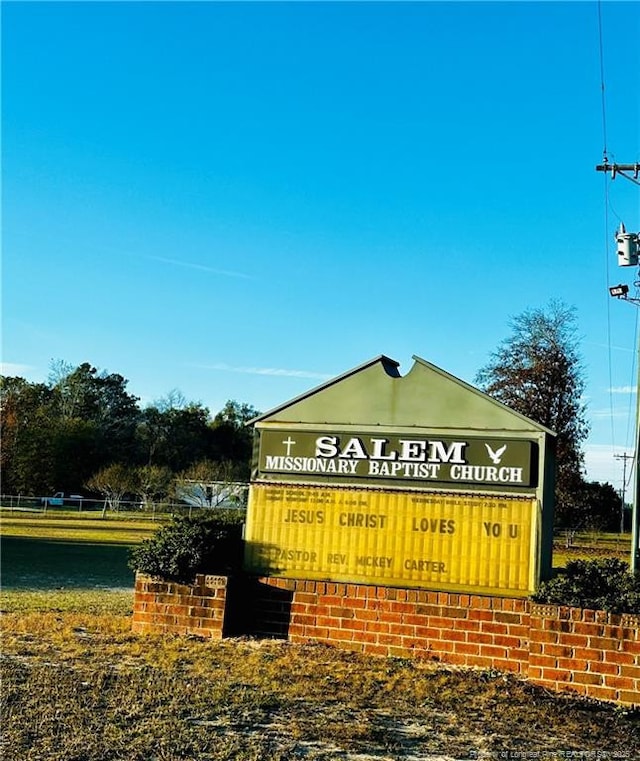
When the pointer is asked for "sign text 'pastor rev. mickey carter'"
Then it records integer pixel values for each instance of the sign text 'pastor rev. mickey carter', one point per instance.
(397, 458)
(399, 538)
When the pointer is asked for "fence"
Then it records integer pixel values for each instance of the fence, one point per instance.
(151, 510)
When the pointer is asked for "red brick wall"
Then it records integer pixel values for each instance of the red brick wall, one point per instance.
(590, 652)
(161, 607)
(593, 653)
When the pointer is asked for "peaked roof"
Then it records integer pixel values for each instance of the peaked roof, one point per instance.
(375, 393)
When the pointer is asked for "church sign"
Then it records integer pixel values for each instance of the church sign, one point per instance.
(404, 458)
(408, 481)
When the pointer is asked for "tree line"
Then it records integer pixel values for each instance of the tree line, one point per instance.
(82, 429)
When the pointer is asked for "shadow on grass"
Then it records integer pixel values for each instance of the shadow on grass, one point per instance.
(29, 563)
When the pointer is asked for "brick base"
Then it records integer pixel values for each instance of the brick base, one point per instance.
(592, 653)
(164, 607)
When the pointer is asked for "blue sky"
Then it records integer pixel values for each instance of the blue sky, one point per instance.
(241, 200)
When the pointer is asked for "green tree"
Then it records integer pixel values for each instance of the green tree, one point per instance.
(602, 507)
(101, 398)
(537, 371)
(68, 387)
(173, 432)
(152, 433)
(232, 438)
(75, 452)
(27, 429)
(57, 436)
(187, 437)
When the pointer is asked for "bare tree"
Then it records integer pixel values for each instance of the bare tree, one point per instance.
(68, 388)
(210, 484)
(114, 482)
(173, 400)
(537, 371)
(153, 483)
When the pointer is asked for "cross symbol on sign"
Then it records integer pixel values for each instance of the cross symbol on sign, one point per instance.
(288, 442)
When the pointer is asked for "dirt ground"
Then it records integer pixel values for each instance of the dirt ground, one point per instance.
(82, 687)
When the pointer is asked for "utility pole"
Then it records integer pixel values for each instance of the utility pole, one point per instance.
(628, 250)
(624, 457)
(620, 169)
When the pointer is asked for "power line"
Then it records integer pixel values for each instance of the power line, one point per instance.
(602, 89)
(606, 222)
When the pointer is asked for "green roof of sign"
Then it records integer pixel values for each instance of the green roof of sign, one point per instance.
(375, 393)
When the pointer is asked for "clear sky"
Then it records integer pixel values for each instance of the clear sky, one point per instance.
(242, 200)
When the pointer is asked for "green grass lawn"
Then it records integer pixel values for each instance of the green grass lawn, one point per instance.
(71, 550)
(587, 545)
(68, 551)
(82, 527)
(36, 563)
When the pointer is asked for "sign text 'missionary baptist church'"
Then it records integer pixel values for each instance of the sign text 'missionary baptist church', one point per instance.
(417, 480)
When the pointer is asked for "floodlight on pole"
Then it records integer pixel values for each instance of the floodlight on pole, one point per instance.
(619, 291)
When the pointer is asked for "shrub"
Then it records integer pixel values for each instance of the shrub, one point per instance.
(603, 584)
(187, 546)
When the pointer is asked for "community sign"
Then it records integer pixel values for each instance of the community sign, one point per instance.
(416, 481)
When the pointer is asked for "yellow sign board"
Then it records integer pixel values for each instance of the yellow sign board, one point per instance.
(452, 542)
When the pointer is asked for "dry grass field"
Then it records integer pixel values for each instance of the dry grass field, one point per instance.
(79, 686)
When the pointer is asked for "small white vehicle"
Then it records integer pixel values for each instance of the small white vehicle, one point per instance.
(59, 498)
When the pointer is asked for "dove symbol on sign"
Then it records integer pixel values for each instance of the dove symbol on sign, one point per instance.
(497, 455)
